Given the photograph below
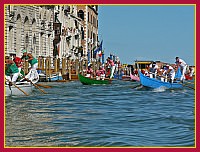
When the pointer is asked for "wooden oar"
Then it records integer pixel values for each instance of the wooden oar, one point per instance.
(17, 87)
(44, 86)
(136, 86)
(188, 86)
(35, 85)
(189, 82)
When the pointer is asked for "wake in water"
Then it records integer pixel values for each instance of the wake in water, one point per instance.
(160, 89)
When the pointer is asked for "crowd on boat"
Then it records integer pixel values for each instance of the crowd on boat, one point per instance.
(13, 68)
(106, 70)
(169, 72)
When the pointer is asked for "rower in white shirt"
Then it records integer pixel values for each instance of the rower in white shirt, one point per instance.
(183, 66)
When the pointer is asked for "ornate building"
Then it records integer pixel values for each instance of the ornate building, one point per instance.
(89, 16)
(29, 27)
(51, 30)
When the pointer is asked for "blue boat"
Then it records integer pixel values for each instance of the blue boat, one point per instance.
(156, 83)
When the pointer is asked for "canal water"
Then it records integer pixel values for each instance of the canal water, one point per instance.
(119, 114)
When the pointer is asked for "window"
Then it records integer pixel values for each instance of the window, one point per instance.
(26, 39)
(81, 14)
(82, 33)
(34, 39)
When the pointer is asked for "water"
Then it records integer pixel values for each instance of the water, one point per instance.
(72, 114)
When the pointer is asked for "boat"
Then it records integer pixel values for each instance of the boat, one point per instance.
(89, 81)
(156, 83)
(20, 88)
(23, 87)
(52, 77)
(134, 78)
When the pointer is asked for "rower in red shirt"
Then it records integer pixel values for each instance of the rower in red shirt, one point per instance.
(18, 62)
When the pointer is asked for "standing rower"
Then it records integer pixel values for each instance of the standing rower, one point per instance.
(182, 64)
(112, 65)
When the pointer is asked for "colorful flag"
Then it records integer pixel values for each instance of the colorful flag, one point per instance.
(99, 48)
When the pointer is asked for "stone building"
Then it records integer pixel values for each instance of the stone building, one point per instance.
(51, 30)
(89, 16)
(29, 27)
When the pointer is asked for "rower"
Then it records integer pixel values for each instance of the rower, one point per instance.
(183, 66)
(112, 65)
(89, 72)
(169, 70)
(19, 65)
(28, 57)
(153, 67)
(11, 70)
(33, 74)
(102, 72)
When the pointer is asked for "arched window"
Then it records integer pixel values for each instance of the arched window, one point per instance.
(26, 40)
(81, 14)
(34, 39)
(82, 32)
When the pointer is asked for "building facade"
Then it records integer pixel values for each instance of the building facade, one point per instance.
(30, 28)
(51, 30)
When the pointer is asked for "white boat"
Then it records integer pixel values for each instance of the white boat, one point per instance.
(24, 86)
(52, 77)
(18, 89)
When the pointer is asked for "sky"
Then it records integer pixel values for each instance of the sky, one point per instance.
(148, 32)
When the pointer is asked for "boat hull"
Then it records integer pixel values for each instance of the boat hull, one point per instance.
(154, 83)
(134, 78)
(43, 78)
(13, 91)
(88, 81)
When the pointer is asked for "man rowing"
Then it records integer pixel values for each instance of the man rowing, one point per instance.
(170, 72)
(182, 64)
(153, 69)
(11, 71)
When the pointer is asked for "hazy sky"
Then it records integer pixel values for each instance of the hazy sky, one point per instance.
(148, 32)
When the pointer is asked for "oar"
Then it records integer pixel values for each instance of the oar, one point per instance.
(189, 82)
(188, 86)
(35, 85)
(17, 87)
(44, 86)
(136, 86)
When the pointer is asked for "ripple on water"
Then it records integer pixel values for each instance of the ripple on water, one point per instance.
(72, 114)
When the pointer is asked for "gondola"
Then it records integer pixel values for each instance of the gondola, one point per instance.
(88, 81)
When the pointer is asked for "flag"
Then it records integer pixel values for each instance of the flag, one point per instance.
(99, 48)
(100, 53)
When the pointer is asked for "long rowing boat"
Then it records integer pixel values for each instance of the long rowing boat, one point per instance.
(155, 83)
(89, 81)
